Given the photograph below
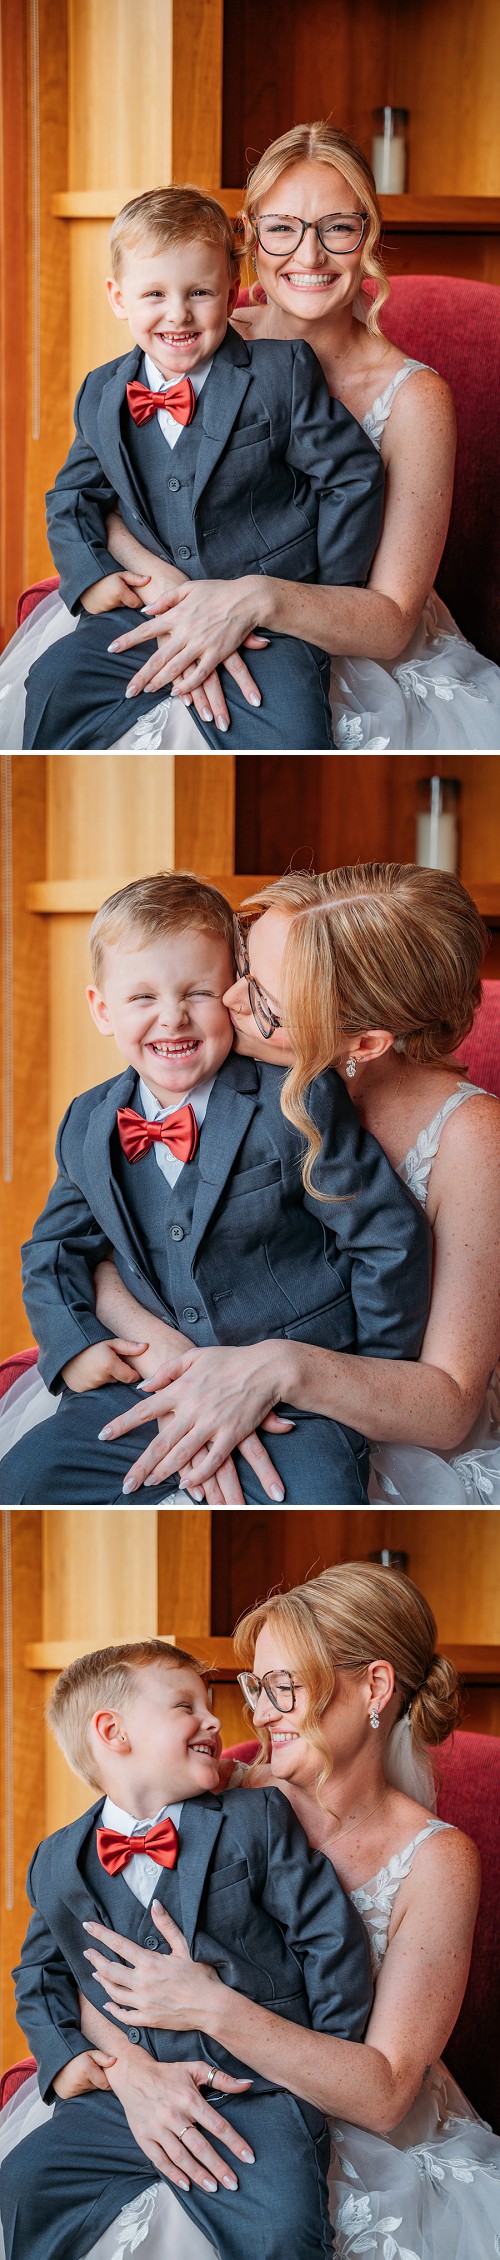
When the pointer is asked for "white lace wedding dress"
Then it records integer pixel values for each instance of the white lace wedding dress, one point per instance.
(428, 2191)
(439, 694)
(404, 1473)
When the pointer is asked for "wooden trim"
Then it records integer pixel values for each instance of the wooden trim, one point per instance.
(62, 897)
(462, 215)
(54, 1655)
(14, 284)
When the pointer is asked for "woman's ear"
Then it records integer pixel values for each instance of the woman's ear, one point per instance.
(380, 1684)
(371, 1045)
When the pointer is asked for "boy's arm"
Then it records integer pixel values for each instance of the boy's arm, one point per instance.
(345, 468)
(58, 1265)
(376, 1221)
(47, 2005)
(77, 508)
(320, 1925)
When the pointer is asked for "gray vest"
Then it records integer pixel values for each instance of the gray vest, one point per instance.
(163, 1216)
(167, 476)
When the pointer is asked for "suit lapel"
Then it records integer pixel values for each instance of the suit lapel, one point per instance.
(112, 418)
(199, 1828)
(229, 1113)
(220, 403)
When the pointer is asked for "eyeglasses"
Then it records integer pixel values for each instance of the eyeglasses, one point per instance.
(265, 1019)
(337, 231)
(280, 1687)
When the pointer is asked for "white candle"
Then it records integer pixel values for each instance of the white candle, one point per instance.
(437, 842)
(389, 163)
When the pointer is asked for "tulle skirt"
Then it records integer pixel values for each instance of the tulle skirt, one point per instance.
(406, 1474)
(439, 694)
(428, 2191)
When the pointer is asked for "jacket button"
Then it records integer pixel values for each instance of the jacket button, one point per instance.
(184, 552)
(152, 1942)
(176, 1232)
(174, 485)
(133, 2033)
(191, 1314)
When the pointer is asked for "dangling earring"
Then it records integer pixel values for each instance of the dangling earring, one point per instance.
(350, 1068)
(374, 1716)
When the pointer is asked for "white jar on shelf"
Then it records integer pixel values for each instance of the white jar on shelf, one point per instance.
(437, 841)
(389, 150)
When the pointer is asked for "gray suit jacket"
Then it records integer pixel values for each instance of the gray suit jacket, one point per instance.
(353, 1272)
(286, 481)
(255, 1902)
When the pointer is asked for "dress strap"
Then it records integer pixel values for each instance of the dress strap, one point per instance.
(377, 416)
(416, 1168)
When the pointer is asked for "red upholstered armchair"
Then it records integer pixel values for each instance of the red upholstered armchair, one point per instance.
(469, 1796)
(453, 325)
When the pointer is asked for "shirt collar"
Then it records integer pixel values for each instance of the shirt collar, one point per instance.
(113, 1816)
(158, 383)
(198, 1099)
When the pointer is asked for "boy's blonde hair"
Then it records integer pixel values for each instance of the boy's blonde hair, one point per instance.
(171, 216)
(344, 1620)
(165, 903)
(103, 1680)
(372, 945)
(323, 144)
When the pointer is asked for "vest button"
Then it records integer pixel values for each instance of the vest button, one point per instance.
(174, 485)
(133, 2033)
(184, 552)
(176, 1232)
(152, 1942)
(191, 1314)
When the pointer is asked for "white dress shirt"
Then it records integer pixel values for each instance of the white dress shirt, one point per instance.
(168, 425)
(169, 1163)
(141, 1874)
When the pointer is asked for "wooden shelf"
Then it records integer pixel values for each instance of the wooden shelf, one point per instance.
(456, 214)
(479, 1666)
(65, 898)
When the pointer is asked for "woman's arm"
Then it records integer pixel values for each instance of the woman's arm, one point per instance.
(374, 622)
(417, 1999)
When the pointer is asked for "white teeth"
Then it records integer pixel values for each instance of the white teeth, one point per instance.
(309, 282)
(278, 1738)
(175, 1051)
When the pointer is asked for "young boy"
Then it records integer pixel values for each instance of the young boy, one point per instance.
(236, 1874)
(212, 1229)
(269, 476)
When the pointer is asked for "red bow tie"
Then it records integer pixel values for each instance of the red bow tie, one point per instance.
(179, 1132)
(180, 401)
(161, 1844)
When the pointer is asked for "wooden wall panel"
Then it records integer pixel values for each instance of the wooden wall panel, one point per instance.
(49, 339)
(447, 64)
(109, 813)
(205, 790)
(197, 92)
(334, 808)
(23, 1197)
(13, 310)
(21, 1556)
(184, 1571)
(99, 1585)
(120, 95)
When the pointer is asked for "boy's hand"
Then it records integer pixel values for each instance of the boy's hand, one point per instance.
(113, 589)
(103, 1361)
(83, 2073)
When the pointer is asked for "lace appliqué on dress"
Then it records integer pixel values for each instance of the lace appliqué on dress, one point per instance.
(375, 1899)
(133, 2223)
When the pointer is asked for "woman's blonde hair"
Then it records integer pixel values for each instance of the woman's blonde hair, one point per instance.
(343, 1620)
(324, 144)
(372, 945)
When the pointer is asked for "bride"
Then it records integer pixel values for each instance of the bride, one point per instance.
(373, 970)
(402, 674)
(347, 1695)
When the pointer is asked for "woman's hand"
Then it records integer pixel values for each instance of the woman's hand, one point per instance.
(224, 1488)
(219, 1394)
(207, 622)
(167, 1991)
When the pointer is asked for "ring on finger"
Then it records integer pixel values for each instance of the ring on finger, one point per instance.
(185, 2130)
(211, 2075)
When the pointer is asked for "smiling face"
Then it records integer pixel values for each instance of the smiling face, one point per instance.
(177, 302)
(310, 283)
(343, 1722)
(163, 1004)
(265, 943)
(162, 1745)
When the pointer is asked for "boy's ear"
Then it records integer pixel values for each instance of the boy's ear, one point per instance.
(98, 1007)
(233, 296)
(110, 1729)
(116, 299)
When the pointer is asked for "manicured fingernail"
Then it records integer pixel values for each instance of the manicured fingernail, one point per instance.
(103, 1435)
(221, 725)
(148, 609)
(140, 1385)
(130, 1484)
(89, 1926)
(157, 1908)
(230, 2181)
(130, 693)
(196, 1495)
(150, 1482)
(113, 646)
(255, 699)
(186, 2185)
(249, 2155)
(209, 2185)
(276, 1492)
(206, 715)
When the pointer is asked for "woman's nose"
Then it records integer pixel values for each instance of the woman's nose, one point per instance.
(236, 998)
